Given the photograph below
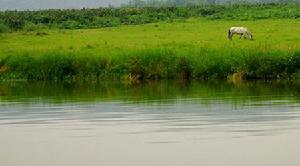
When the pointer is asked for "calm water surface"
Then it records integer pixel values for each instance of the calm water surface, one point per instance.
(152, 124)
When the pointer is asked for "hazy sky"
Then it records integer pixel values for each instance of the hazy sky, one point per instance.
(45, 4)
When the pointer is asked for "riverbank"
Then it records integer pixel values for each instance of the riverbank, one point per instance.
(184, 49)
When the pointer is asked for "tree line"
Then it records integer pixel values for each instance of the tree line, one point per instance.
(129, 15)
(160, 3)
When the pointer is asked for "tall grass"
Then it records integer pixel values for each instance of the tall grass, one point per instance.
(155, 63)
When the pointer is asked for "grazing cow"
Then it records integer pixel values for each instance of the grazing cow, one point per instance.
(242, 31)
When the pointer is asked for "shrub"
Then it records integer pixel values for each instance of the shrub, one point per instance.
(106, 22)
(30, 27)
(15, 23)
(3, 28)
(71, 25)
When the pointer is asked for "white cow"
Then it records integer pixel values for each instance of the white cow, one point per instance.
(242, 31)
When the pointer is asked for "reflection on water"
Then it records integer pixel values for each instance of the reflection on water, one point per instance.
(169, 118)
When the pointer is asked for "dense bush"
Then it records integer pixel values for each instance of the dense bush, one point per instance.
(30, 27)
(14, 22)
(106, 22)
(3, 28)
(109, 17)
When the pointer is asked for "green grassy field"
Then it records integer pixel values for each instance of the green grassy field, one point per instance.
(188, 48)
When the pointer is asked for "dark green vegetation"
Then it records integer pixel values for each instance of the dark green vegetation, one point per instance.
(160, 3)
(111, 17)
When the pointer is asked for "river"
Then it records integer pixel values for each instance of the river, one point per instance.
(151, 124)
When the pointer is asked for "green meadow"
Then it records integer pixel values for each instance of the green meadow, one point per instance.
(194, 48)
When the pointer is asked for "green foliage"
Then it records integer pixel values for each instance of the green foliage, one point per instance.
(71, 25)
(111, 17)
(3, 28)
(106, 22)
(15, 22)
(31, 27)
(160, 3)
(155, 64)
